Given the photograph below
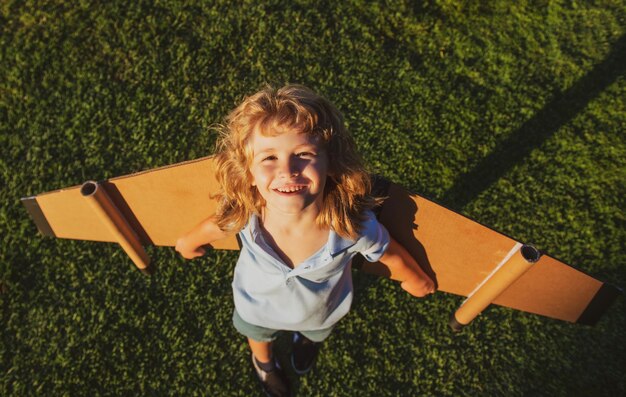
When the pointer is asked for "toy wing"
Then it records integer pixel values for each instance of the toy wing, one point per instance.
(155, 207)
(472, 260)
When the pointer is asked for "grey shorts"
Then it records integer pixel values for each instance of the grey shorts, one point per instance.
(262, 334)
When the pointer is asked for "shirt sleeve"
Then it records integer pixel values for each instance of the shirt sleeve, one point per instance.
(374, 239)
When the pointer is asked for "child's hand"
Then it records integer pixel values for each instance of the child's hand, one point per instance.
(188, 251)
(418, 286)
(191, 244)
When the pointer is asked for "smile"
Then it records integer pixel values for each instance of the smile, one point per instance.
(290, 189)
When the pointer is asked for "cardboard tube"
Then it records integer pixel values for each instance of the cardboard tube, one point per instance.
(110, 215)
(514, 265)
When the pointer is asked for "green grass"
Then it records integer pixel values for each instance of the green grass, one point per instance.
(513, 114)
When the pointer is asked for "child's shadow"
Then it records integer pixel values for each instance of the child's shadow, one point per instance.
(397, 214)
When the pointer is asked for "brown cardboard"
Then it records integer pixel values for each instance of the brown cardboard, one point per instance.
(512, 267)
(115, 223)
(159, 204)
(460, 254)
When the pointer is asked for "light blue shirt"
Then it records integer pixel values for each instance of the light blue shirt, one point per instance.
(315, 294)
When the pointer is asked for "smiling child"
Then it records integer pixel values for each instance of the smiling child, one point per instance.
(296, 191)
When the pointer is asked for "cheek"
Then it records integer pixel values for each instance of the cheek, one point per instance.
(253, 177)
(259, 176)
(320, 168)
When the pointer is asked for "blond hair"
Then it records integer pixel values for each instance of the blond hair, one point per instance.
(272, 111)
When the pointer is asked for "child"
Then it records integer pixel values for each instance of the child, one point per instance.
(296, 191)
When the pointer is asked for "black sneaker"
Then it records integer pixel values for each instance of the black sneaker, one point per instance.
(303, 354)
(274, 382)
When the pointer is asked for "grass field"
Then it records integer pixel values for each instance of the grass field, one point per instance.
(512, 113)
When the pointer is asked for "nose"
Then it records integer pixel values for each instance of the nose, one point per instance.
(289, 167)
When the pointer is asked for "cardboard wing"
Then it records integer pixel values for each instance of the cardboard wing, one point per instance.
(155, 207)
(472, 260)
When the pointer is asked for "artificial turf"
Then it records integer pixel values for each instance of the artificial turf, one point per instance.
(512, 113)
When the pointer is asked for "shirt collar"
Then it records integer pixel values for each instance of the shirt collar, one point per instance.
(253, 227)
(335, 243)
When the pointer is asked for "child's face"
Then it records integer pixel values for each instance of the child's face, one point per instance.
(289, 170)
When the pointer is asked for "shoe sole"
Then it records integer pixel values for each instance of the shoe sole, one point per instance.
(298, 372)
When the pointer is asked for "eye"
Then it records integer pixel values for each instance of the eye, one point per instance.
(269, 158)
(305, 154)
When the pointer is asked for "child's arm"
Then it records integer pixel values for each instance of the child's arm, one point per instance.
(406, 270)
(190, 244)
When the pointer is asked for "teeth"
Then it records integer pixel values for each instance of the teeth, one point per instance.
(290, 189)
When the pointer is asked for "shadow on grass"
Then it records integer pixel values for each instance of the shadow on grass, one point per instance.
(515, 148)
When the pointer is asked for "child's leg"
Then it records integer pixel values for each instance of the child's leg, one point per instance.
(261, 350)
(272, 378)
